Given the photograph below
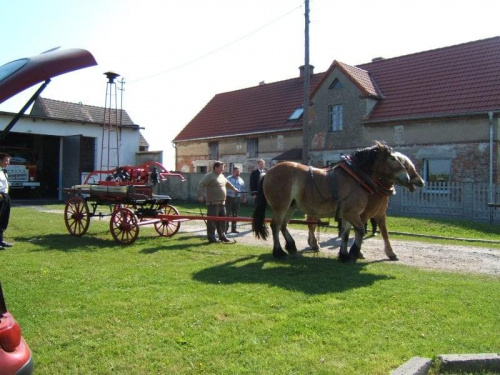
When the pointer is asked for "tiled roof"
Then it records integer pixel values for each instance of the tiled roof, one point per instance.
(73, 112)
(142, 141)
(360, 77)
(454, 80)
(460, 79)
(258, 109)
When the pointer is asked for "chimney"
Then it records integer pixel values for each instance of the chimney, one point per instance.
(375, 59)
(302, 69)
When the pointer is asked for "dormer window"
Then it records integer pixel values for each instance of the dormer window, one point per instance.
(336, 85)
(296, 114)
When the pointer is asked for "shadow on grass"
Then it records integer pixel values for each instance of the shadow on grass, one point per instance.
(68, 243)
(179, 243)
(304, 274)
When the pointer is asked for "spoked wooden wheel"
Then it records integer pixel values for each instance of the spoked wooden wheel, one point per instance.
(76, 216)
(123, 226)
(167, 228)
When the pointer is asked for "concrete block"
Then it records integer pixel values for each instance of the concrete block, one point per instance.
(469, 362)
(414, 366)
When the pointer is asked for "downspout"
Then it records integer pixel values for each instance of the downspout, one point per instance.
(492, 195)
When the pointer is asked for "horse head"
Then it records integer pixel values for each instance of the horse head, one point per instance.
(415, 178)
(387, 167)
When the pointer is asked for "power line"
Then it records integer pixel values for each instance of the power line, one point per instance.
(220, 48)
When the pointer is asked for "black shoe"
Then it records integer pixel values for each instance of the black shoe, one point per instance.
(235, 231)
(2, 248)
(225, 239)
(5, 244)
(213, 240)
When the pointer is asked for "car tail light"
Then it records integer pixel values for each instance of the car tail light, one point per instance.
(10, 333)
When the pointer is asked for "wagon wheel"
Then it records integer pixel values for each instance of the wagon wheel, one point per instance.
(167, 228)
(76, 216)
(123, 226)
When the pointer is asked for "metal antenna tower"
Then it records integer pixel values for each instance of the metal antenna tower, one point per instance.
(110, 156)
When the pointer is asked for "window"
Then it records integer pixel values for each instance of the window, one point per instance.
(336, 117)
(336, 84)
(253, 147)
(437, 170)
(297, 114)
(201, 169)
(213, 150)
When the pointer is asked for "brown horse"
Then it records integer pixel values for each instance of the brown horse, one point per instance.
(382, 201)
(323, 193)
(415, 178)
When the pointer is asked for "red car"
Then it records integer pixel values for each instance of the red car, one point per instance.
(16, 76)
(15, 355)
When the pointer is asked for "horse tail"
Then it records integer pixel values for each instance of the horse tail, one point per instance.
(259, 213)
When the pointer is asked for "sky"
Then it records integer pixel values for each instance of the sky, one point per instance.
(174, 56)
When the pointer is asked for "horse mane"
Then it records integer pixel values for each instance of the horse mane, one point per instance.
(364, 159)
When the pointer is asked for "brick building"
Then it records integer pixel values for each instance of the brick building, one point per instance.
(440, 107)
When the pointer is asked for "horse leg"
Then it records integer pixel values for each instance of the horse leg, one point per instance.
(345, 228)
(289, 241)
(312, 241)
(359, 227)
(385, 236)
(277, 249)
(355, 251)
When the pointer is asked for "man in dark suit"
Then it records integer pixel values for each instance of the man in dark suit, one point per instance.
(255, 177)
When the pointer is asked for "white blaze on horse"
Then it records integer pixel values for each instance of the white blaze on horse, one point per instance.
(356, 189)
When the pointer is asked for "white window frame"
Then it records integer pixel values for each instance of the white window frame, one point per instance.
(336, 114)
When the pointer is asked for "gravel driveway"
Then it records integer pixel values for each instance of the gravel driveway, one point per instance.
(453, 258)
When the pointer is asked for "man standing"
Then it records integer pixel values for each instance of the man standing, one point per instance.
(4, 199)
(234, 200)
(255, 177)
(215, 184)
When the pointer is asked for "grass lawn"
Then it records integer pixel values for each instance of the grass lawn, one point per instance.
(179, 306)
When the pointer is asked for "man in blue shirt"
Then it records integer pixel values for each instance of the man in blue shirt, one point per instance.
(233, 199)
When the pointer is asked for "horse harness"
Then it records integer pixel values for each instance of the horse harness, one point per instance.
(371, 186)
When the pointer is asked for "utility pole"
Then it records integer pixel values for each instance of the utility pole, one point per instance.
(307, 84)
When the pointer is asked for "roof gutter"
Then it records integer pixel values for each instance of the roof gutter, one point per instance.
(428, 117)
(237, 135)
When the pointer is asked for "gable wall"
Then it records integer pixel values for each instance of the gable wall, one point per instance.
(354, 108)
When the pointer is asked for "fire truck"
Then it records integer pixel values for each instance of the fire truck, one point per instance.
(22, 170)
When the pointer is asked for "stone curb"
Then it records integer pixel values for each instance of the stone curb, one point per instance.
(469, 362)
(414, 366)
(451, 362)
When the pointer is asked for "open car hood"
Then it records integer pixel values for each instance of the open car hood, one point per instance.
(18, 75)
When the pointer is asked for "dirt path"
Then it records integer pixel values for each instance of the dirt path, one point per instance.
(453, 258)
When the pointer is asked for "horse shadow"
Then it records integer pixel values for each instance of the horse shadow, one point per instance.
(309, 275)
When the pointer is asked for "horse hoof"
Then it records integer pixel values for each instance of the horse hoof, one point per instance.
(393, 257)
(280, 255)
(344, 258)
